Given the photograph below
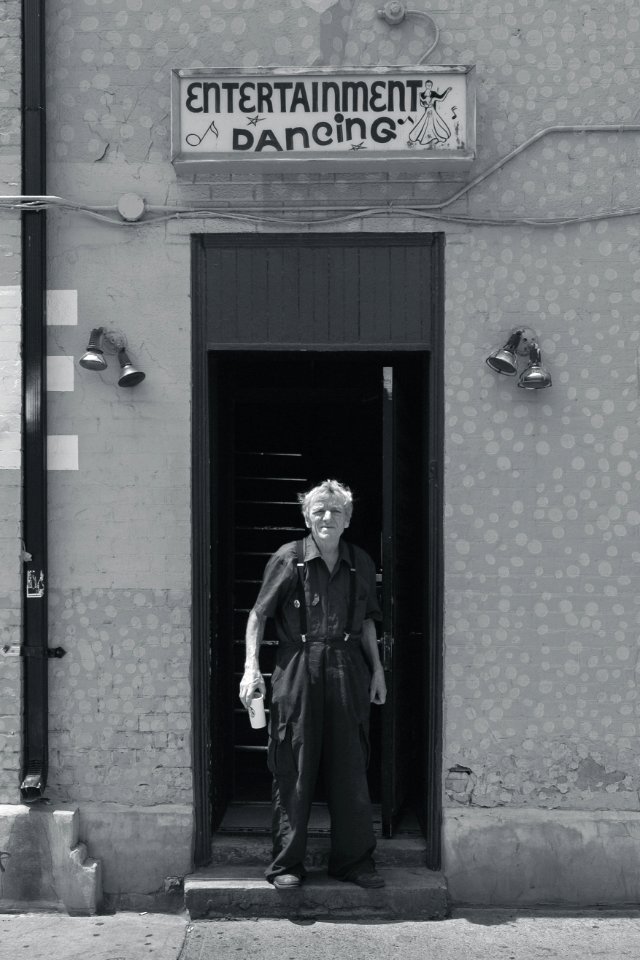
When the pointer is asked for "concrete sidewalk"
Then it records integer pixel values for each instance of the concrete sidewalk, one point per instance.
(469, 934)
(123, 936)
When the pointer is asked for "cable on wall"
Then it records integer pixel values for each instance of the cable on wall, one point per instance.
(266, 213)
(394, 12)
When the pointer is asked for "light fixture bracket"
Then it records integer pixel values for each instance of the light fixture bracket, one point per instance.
(527, 337)
(393, 12)
(113, 342)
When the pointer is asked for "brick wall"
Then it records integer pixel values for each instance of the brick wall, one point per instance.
(541, 521)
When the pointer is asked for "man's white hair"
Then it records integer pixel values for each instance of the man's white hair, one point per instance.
(331, 488)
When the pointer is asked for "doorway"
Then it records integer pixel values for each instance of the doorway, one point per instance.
(283, 422)
(316, 356)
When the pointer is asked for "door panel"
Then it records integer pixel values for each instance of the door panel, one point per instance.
(221, 616)
(403, 589)
(313, 290)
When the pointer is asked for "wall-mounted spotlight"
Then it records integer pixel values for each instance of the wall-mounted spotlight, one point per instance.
(94, 359)
(535, 377)
(129, 376)
(522, 342)
(115, 343)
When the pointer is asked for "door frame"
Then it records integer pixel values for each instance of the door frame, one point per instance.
(201, 552)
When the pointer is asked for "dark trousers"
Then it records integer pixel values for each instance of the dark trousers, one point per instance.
(320, 715)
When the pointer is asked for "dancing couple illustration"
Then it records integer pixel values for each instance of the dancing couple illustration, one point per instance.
(430, 128)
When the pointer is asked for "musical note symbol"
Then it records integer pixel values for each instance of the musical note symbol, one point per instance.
(453, 112)
(194, 140)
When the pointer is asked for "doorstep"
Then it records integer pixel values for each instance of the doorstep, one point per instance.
(237, 891)
(233, 885)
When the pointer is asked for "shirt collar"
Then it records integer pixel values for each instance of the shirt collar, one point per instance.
(311, 550)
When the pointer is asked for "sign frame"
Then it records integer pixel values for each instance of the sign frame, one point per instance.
(431, 160)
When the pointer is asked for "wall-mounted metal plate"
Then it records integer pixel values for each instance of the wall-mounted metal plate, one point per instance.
(10, 650)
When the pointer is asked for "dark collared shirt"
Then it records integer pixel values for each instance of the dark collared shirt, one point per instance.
(327, 594)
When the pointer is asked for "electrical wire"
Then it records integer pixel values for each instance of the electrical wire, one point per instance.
(366, 213)
(266, 213)
(354, 213)
(436, 28)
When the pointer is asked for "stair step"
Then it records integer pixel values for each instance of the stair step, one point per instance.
(236, 891)
(252, 850)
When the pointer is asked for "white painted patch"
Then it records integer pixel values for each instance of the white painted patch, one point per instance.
(10, 352)
(10, 297)
(10, 378)
(10, 450)
(62, 308)
(60, 373)
(62, 452)
(10, 330)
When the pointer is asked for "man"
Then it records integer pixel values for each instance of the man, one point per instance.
(321, 594)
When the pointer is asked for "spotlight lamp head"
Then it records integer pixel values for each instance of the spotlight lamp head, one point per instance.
(129, 375)
(535, 376)
(94, 359)
(505, 359)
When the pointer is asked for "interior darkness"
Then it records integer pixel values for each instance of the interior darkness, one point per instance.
(283, 422)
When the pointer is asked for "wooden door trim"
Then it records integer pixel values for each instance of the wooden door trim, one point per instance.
(200, 565)
(434, 522)
(369, 239)
(341, 347)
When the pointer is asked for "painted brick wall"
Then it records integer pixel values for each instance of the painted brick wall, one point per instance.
(541, 518)
(542, 523)
(10, 401)
(120, 530)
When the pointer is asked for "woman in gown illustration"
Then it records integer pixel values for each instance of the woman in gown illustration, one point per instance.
(430, 128)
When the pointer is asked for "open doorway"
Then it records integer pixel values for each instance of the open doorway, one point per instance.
(282, 422)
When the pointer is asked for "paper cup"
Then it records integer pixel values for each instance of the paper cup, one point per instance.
(257, 716)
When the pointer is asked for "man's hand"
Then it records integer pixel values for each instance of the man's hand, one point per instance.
(252, 680)
(378, 687)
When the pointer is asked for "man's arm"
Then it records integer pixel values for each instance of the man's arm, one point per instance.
(252, 678)
(378, 687)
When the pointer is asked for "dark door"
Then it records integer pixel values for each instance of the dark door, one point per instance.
(284, 423)
(403, 580)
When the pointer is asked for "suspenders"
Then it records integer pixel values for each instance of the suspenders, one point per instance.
(302, 602)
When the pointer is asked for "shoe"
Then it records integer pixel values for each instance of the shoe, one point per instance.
(286, 881)
(368, 881)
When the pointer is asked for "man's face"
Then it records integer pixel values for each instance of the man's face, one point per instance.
(327, 520)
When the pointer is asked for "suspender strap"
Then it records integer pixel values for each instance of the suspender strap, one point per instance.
(352, 591)
(302, 600)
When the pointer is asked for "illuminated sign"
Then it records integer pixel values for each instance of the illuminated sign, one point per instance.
(357, 117)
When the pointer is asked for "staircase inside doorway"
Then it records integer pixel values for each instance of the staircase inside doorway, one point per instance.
(255, 818)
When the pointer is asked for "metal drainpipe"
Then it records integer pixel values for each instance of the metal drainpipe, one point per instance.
(35, 688)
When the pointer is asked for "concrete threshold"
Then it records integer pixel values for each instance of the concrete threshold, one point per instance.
(233, 891)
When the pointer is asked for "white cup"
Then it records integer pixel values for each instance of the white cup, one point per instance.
(257, 716)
